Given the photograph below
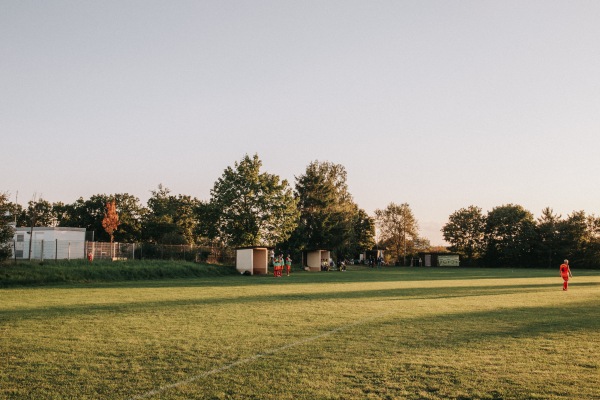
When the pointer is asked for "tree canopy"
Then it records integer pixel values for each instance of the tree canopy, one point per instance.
(110, 222)
(398, 228)
(39, 212)
(171, 219)
(6, 231)
(329, 218)
(90, 213)
(511, 237)
(465, 233)
(249, 207)
(509, 230)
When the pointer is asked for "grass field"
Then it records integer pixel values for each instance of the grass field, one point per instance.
(397, 333)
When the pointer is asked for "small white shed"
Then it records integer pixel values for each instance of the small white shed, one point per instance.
(56, 243)
(252, 259)
(316, 258)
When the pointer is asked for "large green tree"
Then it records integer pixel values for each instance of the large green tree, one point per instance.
(86, 214)
(363, 232)
(249, 207)
(580, 239)
(398, 228)
(171, 219)
(509, 235)
(131, 214)
(39, 212)
(90, 213)
(329, 218)
(465, 233)
(549, 244)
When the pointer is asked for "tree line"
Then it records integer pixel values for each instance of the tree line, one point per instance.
(247, 207)
(250, 207)
(509, 235)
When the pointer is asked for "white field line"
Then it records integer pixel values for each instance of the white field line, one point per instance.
(253, 358)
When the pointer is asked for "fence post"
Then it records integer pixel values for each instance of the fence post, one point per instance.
(30, 242)
(15, 250)
(56, 251)
(42, 252)
(69, 252)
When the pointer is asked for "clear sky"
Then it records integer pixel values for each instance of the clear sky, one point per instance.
(438, 104)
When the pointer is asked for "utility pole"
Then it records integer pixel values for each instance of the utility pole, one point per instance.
(404, 237)
(404, 241)
(33, 215)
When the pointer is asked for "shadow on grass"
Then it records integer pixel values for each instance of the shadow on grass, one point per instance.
(396, 294)
(177, 275)
(516, 322)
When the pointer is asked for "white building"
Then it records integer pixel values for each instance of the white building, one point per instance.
(49, 243)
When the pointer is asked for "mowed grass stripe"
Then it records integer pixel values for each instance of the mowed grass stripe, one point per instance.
(256, 357)
(425, 334)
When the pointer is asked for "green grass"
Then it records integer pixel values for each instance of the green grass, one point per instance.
(397, 333)
(37, 273)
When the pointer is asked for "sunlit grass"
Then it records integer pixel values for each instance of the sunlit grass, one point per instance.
(394, 333)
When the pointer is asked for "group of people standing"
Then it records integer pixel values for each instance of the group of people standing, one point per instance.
(328, 265)
(279, 264)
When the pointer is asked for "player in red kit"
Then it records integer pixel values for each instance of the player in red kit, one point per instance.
(565, 272)
(288, 264)
(276, 267)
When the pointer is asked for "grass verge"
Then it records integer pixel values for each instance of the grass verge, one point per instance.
(80, 271)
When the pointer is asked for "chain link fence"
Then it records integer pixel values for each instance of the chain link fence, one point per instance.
(110, 251)
(204, 254)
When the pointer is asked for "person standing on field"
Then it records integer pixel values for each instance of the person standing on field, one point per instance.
(275, 267)
(288, 264)
(281, 265)
(565, 272)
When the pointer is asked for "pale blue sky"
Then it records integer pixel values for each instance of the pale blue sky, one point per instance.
(439, 104)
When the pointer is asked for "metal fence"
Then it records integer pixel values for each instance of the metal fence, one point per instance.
(73, 250)
(110, 251)
(207, 254)
(48, 250)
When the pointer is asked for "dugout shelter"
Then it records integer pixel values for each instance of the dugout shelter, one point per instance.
(254, 260)
(315, 259)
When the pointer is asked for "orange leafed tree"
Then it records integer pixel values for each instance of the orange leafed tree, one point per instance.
(111, 219)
